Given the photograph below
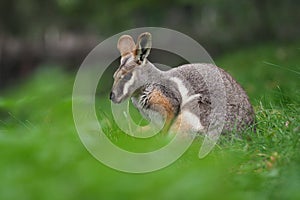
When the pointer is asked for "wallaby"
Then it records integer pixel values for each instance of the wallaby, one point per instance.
(177, 96)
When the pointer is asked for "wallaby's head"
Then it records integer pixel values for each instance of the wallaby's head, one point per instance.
(127, 78)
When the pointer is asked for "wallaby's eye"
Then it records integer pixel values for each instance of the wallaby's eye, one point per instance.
(126, 77)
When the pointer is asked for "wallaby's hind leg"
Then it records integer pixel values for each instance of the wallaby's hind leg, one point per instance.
(187, 122)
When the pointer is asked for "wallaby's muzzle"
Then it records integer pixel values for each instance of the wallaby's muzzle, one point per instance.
(112, 96)
(115, 98)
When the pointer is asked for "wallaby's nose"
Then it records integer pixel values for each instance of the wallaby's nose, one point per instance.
(112, 96)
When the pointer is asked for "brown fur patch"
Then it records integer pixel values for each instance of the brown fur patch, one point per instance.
(161, 104)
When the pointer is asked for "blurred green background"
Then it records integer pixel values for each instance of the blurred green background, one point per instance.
(42, 44)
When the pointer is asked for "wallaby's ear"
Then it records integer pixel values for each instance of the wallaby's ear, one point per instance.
(126, 45)
(143, 46)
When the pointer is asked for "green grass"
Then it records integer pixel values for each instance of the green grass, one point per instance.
(42, 156)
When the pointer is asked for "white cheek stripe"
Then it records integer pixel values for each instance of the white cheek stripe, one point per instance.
(128, 84)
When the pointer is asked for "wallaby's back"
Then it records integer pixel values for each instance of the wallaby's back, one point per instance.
(239, 112)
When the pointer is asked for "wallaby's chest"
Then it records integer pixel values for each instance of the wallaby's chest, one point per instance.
(155, 102)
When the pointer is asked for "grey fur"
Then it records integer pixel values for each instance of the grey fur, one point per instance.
(147, 78)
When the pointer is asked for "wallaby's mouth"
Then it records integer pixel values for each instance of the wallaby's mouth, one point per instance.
(114, 99)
